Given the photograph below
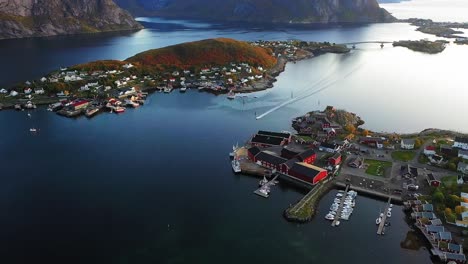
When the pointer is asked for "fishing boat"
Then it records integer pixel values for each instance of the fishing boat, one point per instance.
(236, 166)
(231, 95)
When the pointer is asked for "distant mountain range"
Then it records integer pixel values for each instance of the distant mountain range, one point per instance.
(32, 18)
(262, 11)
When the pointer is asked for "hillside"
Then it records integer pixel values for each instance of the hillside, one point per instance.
(262, 11)
(33, 18)
(204, 53)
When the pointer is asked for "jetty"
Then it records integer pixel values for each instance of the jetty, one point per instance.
(336, 221)
(381, 229)
(264, 190)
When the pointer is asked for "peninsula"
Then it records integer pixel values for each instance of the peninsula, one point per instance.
(213, 65)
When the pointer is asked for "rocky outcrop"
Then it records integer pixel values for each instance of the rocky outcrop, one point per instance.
(263, 11)
(33, 18)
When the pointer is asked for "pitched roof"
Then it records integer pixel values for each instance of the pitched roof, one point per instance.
(336, 156)
(267, 140)
(328, 145)
(306, 154)
(254, 151)
(270, 158)
(430, 148)
(427, 207)
(408, 141)
(453, 256)
(463, 152)
(461, 139)
(435, 229)
(445, 235)
(462, 166)
(431, 177)
(436, 222)
(307, 169)
(290, 163)
(274, 134)
(454, 247)
(288, 152)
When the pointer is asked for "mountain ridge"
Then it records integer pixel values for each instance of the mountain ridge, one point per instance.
(262, 11)
(36, 18)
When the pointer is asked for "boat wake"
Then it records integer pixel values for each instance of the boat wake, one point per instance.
(305, 95)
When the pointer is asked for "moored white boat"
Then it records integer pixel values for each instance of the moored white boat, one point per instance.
(236, 166)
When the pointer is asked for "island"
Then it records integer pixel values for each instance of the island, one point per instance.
(214, 65)
(330, 149)
(425, 46)
(439, 29)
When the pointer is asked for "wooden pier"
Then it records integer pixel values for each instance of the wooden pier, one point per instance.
(340, 208)
(381, 229)
(266, 185)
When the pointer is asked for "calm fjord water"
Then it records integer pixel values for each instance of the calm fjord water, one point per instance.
(154, 185)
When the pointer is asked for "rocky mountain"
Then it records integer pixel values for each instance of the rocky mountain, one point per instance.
(32, 18)
(262, 11)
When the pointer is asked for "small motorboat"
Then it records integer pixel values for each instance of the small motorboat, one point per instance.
(32, 130)
(337, 223)
(231, 95)
(183, 89)
(330, 217)
(389, 214)
(378, 221)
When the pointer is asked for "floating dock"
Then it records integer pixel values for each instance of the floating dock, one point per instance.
(266, 185)
(381, 229)
(340, 208)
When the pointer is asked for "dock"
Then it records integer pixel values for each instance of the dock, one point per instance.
(381, 229)
(340, 208)
(266, 185)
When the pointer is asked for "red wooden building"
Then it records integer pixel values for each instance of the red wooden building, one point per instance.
(335, 159)
(432, 180)
(307, 172)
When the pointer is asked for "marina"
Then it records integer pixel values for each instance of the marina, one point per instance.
(343, 207)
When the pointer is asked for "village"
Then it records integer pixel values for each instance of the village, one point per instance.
(331, 151)
(114, 85)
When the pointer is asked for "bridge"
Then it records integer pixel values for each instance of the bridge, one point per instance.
(367, 42)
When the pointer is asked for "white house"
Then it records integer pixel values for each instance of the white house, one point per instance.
(461, 142)
(429, 151)
(13, 93)
(407, 143)
(463, 154)
(463, 167)
(43, 79)
(128, 66)
(39, 91)
(3, 91)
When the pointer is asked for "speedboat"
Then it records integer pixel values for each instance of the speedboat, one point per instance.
(378, 221)
(330, 217)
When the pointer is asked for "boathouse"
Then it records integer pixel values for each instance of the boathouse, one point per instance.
(267, 141)
(81, 104)
(375, 142)
(252, 152)
(307, 172)
(442, 237)
(269, 160)
(286, 136)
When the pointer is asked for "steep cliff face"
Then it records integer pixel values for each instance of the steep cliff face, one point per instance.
(269, 11)
(32, 18)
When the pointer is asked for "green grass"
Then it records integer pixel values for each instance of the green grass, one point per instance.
(403, 155)
(423, 159)
(377, 167)
(449, 181)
